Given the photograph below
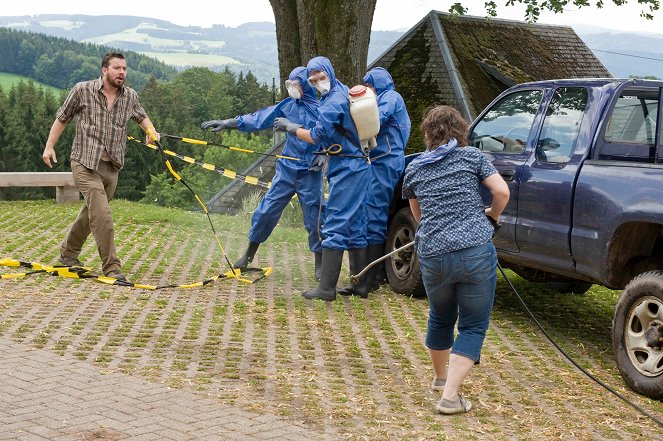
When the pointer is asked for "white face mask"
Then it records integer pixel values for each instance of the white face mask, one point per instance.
(293, 91)
(323, 86)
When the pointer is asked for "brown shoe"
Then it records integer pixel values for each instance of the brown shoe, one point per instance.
(116, 274)
(69, 261)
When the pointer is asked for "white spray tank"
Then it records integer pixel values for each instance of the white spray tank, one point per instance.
(364, 112)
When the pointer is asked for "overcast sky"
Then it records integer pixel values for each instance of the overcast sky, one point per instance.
(389, 14)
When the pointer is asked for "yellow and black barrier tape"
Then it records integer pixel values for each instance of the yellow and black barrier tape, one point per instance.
(222, 171)
(235, 149)
(83, 272)
(234, 273)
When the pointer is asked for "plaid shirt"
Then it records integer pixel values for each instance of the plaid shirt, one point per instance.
(98, 128)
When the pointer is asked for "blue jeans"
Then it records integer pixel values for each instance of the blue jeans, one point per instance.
(460, 286)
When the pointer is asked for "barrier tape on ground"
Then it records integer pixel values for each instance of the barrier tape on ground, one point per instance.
(235, 149)
(76, 272)
(82, 272)
(211, 167)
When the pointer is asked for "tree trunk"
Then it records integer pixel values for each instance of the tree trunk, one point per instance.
(338, 29)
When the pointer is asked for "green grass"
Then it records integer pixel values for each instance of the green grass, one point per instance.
(355, 368)
(7, 80)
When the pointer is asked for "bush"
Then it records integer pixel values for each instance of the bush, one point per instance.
(165, 191)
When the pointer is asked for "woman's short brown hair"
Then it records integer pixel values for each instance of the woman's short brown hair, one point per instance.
(442, 123)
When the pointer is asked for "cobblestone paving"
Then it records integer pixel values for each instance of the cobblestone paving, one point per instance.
(45, 396)
(83, 360)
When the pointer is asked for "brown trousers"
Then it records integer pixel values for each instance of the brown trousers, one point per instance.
(98, 188)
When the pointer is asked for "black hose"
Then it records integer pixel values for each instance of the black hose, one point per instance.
(568, 357)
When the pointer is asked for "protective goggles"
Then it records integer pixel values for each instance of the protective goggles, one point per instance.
(316, 78)
(291, 83)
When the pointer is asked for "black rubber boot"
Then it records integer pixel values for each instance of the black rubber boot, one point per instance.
(243, 262)
(318, 265)
(358, 261)
(375, 251)
(331, 269)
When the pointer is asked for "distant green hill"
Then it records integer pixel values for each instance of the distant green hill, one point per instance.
(8, 79)
(61, 62)
(250, 46)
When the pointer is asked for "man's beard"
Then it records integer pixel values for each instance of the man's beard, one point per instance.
(115, 82)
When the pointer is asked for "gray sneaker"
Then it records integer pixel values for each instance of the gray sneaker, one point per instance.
(449, 407)
(69, 261)
(438, 384)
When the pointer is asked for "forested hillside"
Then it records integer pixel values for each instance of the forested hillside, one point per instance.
(247, 47)
(61, 63)
(176, 107)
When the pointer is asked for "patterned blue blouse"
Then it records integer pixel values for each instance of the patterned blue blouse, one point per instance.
(452, 212)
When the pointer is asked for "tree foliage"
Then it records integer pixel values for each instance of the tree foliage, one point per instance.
(163, 190)
(533, 8)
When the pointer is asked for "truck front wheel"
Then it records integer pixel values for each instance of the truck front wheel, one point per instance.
(403, 268)
(637, 334)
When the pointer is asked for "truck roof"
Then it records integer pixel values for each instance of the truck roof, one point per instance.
(592, 82)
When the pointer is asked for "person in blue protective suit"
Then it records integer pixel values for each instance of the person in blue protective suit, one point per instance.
(303, 177)
(387, 164)
(348, 173)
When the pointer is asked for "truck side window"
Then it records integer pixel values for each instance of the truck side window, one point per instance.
(631, 130)
(561, 125)
(507, 125)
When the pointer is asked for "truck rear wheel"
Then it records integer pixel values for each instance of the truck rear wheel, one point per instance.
(637, 334)
(403, 268)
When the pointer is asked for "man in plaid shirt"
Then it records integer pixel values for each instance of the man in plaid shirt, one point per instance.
(103, 108)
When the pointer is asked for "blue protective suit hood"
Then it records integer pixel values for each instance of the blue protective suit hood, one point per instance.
(380, 79)
(309, 98)
(323, 64)
(388, 156)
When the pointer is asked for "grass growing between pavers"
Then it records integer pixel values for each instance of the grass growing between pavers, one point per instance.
(355, 368)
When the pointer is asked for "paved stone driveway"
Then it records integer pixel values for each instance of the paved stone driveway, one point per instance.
(44, 396)
(80, 360)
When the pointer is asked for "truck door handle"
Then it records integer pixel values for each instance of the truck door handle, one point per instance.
(508, 174)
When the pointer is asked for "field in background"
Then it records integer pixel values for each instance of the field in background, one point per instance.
(184, 59)
(8, 79)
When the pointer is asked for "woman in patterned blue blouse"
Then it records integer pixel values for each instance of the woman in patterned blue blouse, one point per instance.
(453, 242)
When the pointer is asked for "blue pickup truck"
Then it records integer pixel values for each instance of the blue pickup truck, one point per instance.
(584, 162)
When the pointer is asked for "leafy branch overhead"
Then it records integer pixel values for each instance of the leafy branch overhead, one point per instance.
(534, 7)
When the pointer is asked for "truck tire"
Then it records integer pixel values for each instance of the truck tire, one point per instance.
(637, 334)
(575, 287)
(403, 269)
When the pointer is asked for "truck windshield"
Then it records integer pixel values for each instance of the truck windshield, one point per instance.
(507, 125)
